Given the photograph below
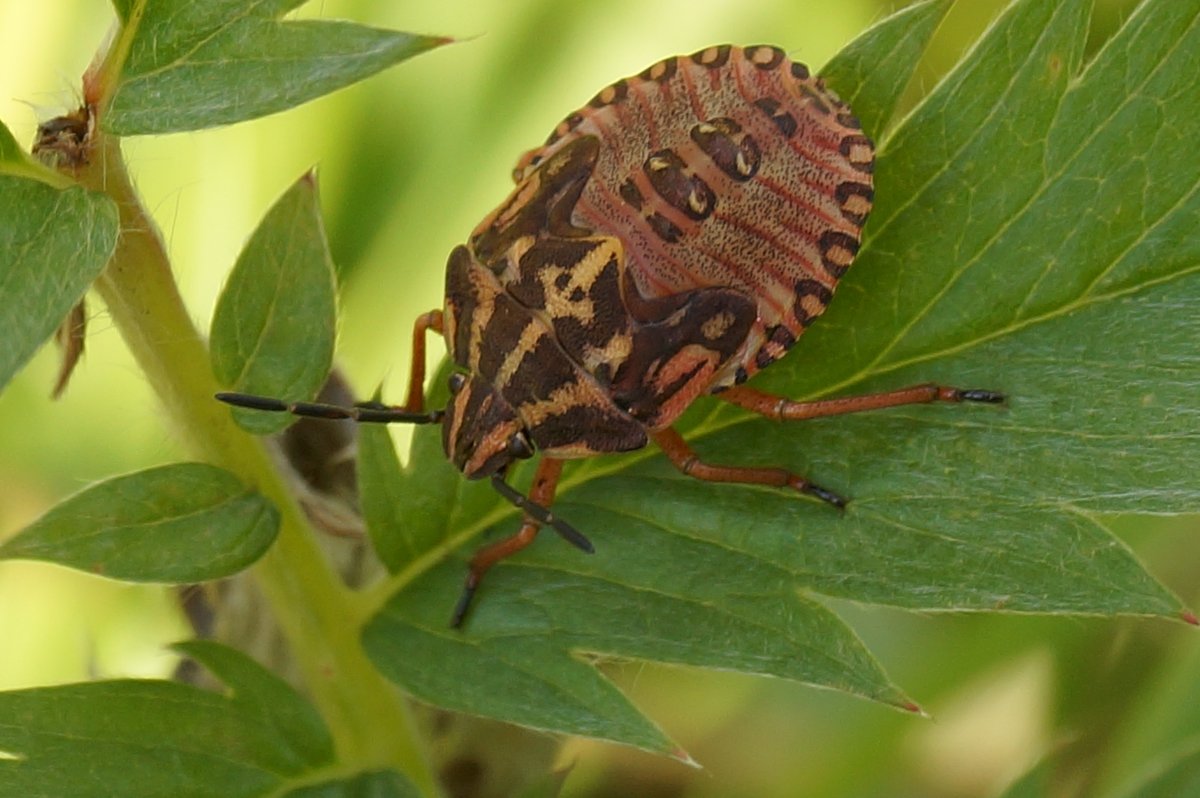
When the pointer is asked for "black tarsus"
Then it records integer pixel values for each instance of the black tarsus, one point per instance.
(464, 602)
(825, 495)
(361, 412)
(977, 395)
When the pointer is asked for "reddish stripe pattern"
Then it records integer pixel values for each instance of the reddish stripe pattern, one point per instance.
(731, 167)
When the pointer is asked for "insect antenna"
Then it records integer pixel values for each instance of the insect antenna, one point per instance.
(361, 412)
(540, 514)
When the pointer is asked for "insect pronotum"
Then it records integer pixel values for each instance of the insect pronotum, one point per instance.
(670, 239)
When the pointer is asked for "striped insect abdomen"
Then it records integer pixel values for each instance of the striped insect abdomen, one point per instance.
(730, 167)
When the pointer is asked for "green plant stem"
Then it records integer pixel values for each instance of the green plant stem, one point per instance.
(369, 720)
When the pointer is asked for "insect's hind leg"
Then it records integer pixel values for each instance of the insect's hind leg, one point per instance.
(783, 409)
(687, 461)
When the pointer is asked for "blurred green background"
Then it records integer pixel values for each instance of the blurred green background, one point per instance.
(409, 162)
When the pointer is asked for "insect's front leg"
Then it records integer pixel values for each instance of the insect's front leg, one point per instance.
(783, 409)
(415, 402)
(541, 496)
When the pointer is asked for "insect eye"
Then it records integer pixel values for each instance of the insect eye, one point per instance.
(519, 445)
(457, 381)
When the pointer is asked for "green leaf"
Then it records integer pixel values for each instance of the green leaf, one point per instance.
(410, 510)
(430, 496)
(651, 594)
(10, 150)
(187, 522)
(1035, 783)
(259, 692)
(1178, 775)
(381, 488)
(377, 784)
(197, 65)
(871, 72)
(274, 325)
(1034, 233)
(124, 8)
(161, 738)
(53, 244)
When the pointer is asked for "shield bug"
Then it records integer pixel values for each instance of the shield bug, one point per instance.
(670, 239)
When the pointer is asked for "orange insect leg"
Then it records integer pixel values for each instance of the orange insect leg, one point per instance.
(415, 403)
(782, 409)
(545, 480)
(688, 462)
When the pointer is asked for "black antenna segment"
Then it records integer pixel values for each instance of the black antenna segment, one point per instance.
(361, 412)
